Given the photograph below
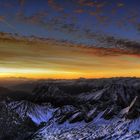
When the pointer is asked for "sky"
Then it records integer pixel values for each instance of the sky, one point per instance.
(69, 38)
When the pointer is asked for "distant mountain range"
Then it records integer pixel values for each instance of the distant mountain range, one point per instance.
(86, 109)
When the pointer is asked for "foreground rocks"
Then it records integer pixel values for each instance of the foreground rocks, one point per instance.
(97, 130)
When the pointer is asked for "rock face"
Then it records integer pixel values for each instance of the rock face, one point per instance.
(12, 127)
(38, 113)
(131, 111)
(75, 109)
(52, 94)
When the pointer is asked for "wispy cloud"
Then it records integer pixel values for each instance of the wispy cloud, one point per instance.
(9, 25)
(117, 47)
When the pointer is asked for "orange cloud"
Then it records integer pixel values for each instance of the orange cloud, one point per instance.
(21, 2)
(55, 5)
(2, 18)
(34, 57)
(79, 11)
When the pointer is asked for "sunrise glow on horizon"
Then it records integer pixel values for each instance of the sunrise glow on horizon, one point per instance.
(58, 60)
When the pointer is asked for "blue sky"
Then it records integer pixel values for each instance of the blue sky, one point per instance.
(81, 21)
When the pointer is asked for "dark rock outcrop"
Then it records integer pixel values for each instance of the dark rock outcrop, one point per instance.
(12, 127)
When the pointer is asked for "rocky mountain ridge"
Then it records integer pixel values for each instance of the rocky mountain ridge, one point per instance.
(80, 109)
